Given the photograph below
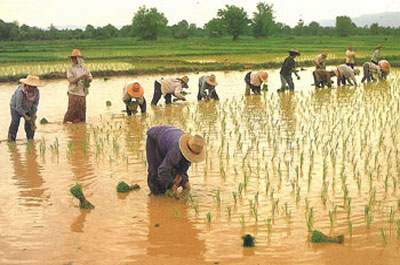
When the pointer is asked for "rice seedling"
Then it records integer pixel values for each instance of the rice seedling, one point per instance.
(383, 236)
(123, 187)
(319, 237)
(176, 211)
(248, 241)
(77, 192)
(208, 217)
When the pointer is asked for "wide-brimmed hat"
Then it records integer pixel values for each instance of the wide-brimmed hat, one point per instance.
(385, 66)
(324, 54)
(211, 80)
(185, 80)
(356, 71)
(351, 47)
(32, 80)
(263, 76)
(76, 53)
(135, 90)
(294, 52)
(192, 148)
(379, 46)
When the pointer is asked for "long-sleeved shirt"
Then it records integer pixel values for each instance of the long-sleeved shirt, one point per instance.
(287, 67)
(319, 62)
(21, 104)
(255, 79)
(76, 86)
(375, 57)
(347, 73)
(350, 57)
(171, 86)
(173, 162)
(205, 86)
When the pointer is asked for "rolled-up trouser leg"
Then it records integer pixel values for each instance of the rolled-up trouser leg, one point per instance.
(290, 83)
(199, 97)
(28, 130)
(156, 94)
(143, 106)
(168, 98)
(283, 83)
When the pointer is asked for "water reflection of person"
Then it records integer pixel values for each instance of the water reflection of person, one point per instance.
(27, 173)
(169, 235)
(287, 103)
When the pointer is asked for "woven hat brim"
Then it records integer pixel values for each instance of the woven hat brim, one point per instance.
(187, 153)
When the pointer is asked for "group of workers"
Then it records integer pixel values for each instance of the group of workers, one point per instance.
(169, 150)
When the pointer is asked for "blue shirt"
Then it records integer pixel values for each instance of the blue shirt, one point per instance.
(21, 104)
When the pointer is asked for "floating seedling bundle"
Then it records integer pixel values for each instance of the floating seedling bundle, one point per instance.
(319, 237)
(123, 187)
(77, 192)
(248, 241)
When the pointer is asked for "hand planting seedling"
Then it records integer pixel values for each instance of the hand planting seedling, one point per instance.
(86, 84)
(248, 241)
(319, 237)
(124, 188)
(76, 191)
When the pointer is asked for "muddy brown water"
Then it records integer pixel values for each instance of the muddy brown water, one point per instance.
(330, 150)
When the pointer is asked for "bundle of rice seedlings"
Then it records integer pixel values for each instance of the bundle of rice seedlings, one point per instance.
(44, 121)
(77, 192)
(108, 103)
(124, 188)
(319, 237)
(248, 241)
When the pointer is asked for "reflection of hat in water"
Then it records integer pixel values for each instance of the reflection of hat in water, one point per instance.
(32, 80)
(294, 52)
(263, 76)
(135, 90)
(192, 148)
(211, 80)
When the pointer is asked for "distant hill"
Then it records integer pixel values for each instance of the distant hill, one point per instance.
(386, 19)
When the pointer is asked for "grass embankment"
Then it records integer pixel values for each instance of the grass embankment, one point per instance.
(130, 57)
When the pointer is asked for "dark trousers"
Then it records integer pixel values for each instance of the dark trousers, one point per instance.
(351, 65)
(255, 89)
(213, 95)
(367, 74)
(286, 79)
(142, 106)
(13, 129)
(154, 159)
(157, 95)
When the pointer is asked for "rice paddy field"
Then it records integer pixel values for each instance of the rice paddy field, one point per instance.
(278, 166)
(130, 57)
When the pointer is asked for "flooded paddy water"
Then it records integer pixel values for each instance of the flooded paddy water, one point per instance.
(278, 165)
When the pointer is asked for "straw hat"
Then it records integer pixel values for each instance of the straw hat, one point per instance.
(211, 80)
(263, 76)
(356, 71)
(325, 54)
(185, 79)
(385, 66)
(379, 46)
(135, 90)
(76, 53)
(31, 80)
(294, 52)
(192, 148)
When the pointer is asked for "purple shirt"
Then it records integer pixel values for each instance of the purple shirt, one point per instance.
(173, 162)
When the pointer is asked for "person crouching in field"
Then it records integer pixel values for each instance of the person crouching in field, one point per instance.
(319, 61)
(254, 81)
(368, 70)
(79, 79)
(376, 55)
(346, 74)
(322, 78)
(288, 67)
(169, 153)
(207, 84)
(168, 87)
(350, 57)
(385, 69)
(24, 104)
(133, 97)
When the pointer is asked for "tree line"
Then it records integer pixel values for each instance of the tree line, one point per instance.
(149, 24)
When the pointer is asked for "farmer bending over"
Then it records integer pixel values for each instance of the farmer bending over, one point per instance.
(133, 96)
(168, 87)
(385, 67)
(322, 78)
(207, 84)
(346, 73)
(254, 81)
(24, 104)
(368, 70)
(289, 67)
(169, 153)
(319, 61)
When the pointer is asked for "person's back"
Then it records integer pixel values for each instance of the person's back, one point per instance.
(167, 137)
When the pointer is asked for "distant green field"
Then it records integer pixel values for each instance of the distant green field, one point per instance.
(129, 56)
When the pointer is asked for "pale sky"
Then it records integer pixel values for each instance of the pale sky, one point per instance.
(42, 13)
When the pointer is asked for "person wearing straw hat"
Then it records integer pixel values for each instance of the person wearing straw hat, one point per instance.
(319, 61)
(79, 79)
(133, 97)
(207, 84)
(24, 104)
(289, 67)
(169, 153)
(345, 74)
(385, 67)
(168, 87)
(254, 81)
(376, 55)
(350, 57)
